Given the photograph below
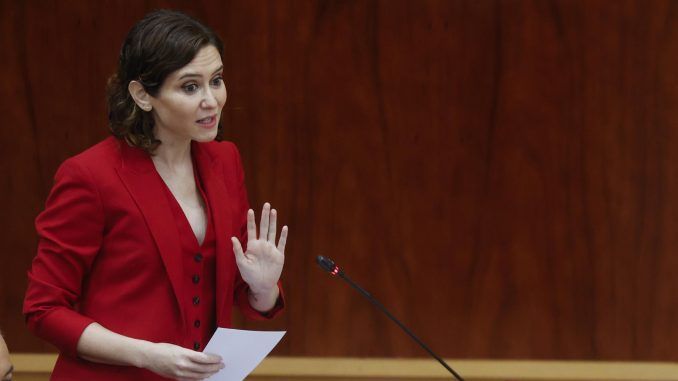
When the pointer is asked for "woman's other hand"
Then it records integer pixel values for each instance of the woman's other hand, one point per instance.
(261, 265)
(98, 344)
(179, 363)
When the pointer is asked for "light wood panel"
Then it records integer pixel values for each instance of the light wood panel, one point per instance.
(37, 367)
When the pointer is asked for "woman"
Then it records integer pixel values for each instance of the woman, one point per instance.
(140, 255)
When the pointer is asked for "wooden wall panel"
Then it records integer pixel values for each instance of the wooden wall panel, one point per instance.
(499, 173)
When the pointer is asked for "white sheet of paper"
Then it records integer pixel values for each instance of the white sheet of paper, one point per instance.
(241, 351)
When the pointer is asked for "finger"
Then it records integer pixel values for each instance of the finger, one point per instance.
(192, 371)
(283, 240)
(201, 365)
(204, 358)
(206, 369)
(272, 226)
(251, 226)
(193, 376)
(263, 225)
(237, 250)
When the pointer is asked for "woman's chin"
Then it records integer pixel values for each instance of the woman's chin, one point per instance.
(205, 136)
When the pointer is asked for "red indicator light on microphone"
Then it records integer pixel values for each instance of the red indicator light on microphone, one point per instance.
(335, 270)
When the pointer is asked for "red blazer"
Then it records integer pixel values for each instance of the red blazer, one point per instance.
(107, 253)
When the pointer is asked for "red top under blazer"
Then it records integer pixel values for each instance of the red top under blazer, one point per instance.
(109, 253)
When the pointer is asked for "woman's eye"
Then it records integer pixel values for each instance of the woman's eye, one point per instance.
(190, 88)
(217, 81)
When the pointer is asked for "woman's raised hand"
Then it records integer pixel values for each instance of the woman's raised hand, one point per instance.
(179, 363)
(261, 265)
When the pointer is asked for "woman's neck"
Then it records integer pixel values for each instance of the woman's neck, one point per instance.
(172, 153)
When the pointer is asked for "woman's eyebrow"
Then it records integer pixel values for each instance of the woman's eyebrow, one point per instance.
(192, 75)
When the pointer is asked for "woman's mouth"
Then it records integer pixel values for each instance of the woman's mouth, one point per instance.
(208, 122)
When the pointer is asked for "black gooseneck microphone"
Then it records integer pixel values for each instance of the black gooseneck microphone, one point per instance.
(329, 266)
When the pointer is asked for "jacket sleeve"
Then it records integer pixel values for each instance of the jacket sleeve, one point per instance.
(241, 289)
(70, 232)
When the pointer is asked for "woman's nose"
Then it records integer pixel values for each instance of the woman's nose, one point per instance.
(209, 100)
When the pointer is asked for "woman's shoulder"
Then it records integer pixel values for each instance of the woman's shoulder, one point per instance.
(97, 158)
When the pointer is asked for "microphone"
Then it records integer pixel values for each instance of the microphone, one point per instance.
(329, 266)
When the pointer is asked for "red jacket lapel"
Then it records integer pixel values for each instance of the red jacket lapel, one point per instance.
(145, 185)
(221, 202)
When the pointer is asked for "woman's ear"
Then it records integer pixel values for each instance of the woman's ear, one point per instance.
(140, 96)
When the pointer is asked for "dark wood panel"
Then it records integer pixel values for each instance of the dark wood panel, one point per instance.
(499, 173)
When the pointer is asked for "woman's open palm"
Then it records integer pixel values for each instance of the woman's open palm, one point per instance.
(261, 265)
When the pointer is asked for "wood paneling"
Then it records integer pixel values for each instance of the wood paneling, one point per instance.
(498, 173)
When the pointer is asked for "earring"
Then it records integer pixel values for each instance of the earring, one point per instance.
(146, 108)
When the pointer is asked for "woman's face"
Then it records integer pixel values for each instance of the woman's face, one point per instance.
(188, 105)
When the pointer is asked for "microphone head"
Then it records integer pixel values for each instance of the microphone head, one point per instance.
(327, 265)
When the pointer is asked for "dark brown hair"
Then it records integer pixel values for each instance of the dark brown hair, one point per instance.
(162, 42)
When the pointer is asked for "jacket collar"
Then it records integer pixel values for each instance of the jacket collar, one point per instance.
(139, 161)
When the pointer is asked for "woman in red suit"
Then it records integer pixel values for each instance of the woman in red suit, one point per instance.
(141, 254)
